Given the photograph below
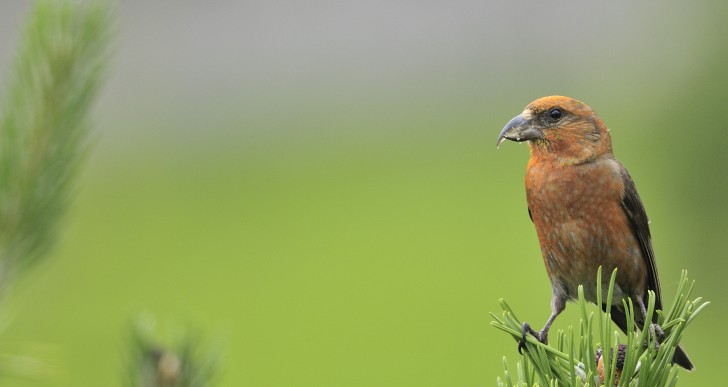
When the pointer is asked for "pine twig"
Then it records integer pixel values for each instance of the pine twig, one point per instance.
(181, 361)
(571, 362)
(52, 84)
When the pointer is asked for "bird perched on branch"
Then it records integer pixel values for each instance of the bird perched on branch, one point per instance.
(586, 211)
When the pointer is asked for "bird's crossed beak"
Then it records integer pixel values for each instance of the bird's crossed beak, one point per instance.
(519, 129)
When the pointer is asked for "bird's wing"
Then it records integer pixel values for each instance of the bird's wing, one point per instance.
(637, 217)
(635, 212)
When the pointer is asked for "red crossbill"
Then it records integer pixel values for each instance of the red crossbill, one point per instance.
(586, 211)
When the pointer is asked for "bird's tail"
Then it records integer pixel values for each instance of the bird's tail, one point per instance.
(681, 358)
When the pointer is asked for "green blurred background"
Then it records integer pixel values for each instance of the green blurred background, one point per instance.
(315, 185)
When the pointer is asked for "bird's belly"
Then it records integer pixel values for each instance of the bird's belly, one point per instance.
(577, 238)
(573, 252)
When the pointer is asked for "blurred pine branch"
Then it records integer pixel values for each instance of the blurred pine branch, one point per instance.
(581, 361)
(182, 361)
(53, 81)
(56, 74)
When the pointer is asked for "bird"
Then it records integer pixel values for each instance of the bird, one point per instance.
(586, 211)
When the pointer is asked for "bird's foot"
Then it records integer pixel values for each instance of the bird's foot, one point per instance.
(657, 334)
(541, 336)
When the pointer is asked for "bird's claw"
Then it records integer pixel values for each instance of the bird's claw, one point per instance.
(525, 330)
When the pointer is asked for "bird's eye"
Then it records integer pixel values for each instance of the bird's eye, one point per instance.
(555, 114)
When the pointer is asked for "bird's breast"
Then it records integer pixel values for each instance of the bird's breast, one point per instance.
(573, 190)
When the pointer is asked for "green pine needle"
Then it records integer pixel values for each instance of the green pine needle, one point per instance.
(572, 361)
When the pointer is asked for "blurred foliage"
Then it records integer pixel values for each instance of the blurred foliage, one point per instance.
(181, 363)
(53, 81)
(55, 77)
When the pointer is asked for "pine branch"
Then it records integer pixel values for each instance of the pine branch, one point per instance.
(53, 81)
(181, 361)
(572, 361)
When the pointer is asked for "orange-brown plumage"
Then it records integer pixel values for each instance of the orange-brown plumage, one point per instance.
(585, 209)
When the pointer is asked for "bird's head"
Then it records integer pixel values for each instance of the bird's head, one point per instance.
(559, 128)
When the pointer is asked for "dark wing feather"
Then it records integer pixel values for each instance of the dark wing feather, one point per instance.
(637, 217)
(635, 212)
